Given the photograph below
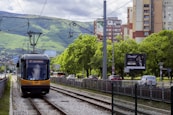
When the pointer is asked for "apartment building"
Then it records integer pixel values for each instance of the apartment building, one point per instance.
(113, 28)
(168, 14)
(149, 16)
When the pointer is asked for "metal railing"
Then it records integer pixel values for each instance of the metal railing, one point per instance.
(160, 93)
(3, 83)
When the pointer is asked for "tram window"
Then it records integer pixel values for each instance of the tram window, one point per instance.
(17, 65)
(23, 70)
(37, 71)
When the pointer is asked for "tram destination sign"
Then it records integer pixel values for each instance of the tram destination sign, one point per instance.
(36, 61)
(135, 61)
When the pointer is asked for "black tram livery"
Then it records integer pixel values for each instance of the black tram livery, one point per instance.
(33, 74)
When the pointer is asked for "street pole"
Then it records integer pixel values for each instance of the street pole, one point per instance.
(161, 67)
(113, 61)
(104, 71)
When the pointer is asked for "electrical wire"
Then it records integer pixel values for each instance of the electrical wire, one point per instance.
(41, 12)
(109, 2)
(0, 23)
(120, 7)
(12, 28)
(20, 6)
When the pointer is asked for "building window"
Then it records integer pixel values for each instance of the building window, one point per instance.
(146, 22)
(146, 27)
(146, 5)
(169, 23)
(146, 33)
(169, 28)
(146, 11)
(146, 17)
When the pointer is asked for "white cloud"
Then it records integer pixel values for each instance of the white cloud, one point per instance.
(68, 9)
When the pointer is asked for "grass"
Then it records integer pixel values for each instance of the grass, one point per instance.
(5, 100)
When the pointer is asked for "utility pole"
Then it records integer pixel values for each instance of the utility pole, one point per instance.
(113, 61)
(104, 71)
(33, 40)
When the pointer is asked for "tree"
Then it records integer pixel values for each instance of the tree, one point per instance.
(78, 55)
(158, 48)
(121, 49)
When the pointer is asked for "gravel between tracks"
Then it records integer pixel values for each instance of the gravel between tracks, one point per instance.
(22, 106)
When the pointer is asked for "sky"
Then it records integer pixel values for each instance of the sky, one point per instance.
(79, 10)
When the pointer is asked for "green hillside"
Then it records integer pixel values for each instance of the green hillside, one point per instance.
(57, 34)
(11, 41)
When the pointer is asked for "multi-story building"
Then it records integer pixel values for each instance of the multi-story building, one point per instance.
(125, 31)
(130, 21)
(141, 19)
(113, 28)
(149, 16)
(167, 14)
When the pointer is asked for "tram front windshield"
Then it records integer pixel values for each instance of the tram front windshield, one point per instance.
(37, 71)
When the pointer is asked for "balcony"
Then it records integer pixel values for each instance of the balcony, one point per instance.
(146, 8)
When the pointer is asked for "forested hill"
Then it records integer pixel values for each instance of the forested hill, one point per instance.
(57, 33)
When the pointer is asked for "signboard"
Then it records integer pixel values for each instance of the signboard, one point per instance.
(135, 61)
(99, 27)
(36, 61)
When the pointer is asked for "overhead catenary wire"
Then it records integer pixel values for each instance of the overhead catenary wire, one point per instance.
(120, 7)
(0, 23)
(11, 28)
(19, 4)
(41, 12)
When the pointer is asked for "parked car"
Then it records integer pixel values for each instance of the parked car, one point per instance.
(71, 77)
(148, 80)
(93, 77)
(115, 77)
(58, 74)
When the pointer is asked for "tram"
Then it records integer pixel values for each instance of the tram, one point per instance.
(33, 75)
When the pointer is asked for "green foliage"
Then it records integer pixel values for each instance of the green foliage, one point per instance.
(121, 49)
(85, 53)
(78, 54)
(2, 69)
(10, 41)
(158, 48)
(5, 100)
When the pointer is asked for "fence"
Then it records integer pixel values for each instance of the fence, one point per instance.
(160, 93)
(2, 86)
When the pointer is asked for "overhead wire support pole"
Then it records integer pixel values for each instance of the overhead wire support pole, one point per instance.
(104, 71)
(33, 41)
(113, 60)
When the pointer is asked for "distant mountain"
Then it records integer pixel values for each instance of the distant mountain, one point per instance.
(55, 33)
(8, 14)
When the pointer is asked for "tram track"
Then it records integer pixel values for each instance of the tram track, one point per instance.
(103, 104)
(37, 104)
(119, 108)
(71, 102)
